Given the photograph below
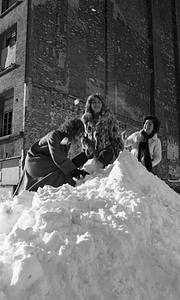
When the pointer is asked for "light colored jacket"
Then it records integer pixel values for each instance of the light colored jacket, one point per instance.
(155, 148)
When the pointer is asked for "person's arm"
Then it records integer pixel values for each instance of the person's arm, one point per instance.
(157, 153)
(127, 140)
(58, 155)
(87, 145)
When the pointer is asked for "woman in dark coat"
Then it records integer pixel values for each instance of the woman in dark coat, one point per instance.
(46, 161)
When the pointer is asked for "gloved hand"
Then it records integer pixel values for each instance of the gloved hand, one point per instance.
(84, 173)
(77, 173)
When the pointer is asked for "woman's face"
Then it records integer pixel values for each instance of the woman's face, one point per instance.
(96, 105)
(148, 127)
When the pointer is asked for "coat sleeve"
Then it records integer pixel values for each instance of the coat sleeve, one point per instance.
(57, 152)
(87, 143)
(157, 153)
(130, 140)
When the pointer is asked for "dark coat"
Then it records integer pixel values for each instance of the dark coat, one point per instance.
(46, 163)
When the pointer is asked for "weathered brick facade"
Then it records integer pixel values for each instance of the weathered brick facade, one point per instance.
(66, 49)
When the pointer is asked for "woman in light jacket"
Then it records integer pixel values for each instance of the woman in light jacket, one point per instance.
(145, 144)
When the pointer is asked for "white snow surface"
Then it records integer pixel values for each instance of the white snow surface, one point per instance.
(115, 236)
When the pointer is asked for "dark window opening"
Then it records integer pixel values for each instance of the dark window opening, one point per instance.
(7, 3)
(8, 48)
(10, 38)
(7, 116)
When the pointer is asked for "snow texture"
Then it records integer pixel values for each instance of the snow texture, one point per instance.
(115, 236)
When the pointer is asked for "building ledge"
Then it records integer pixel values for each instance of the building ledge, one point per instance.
(9, 69)
(10, 8)
(11, 137)
(10, 158)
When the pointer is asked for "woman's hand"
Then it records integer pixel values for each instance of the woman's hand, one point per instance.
(77, 173)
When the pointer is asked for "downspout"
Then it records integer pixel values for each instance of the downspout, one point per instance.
(26, 76)
(176, 58)
(106, 48)
(151, 55)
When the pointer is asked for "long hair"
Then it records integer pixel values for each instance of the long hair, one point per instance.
(88, 108)
(72, 128)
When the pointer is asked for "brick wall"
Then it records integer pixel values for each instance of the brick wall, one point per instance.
(15, 79)
(78, 47)
(47, 110)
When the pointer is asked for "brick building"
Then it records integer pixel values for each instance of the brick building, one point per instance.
(52, 52)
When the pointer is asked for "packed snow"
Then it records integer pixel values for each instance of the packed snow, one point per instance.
(115, 236)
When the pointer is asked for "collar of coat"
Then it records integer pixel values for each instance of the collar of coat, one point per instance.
(65, 141)
(87, 117)
(154, 137)
(137, 134)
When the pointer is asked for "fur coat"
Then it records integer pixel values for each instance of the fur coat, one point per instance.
(100, 133)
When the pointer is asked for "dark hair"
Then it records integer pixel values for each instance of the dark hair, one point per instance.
(72, 128)
(88, 108)
(155, 121)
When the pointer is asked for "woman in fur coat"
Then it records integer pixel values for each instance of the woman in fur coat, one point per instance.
(145, 144)
(102, 138)
(46, 161)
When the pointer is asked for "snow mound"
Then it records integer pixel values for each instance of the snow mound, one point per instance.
(114, 236)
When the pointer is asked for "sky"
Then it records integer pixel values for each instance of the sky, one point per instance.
(115, 236)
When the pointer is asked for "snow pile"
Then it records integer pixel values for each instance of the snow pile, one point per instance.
(114, 236)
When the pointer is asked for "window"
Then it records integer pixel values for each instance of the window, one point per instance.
(7, 3)
(7, 116)
(10, 38)
(6, 113)
(8, 48)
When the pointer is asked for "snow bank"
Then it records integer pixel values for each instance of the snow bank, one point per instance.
(114, 236)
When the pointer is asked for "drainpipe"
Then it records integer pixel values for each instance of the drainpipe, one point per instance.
(176, 58)
(151, 55)
(106, 48)
(26, 76)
